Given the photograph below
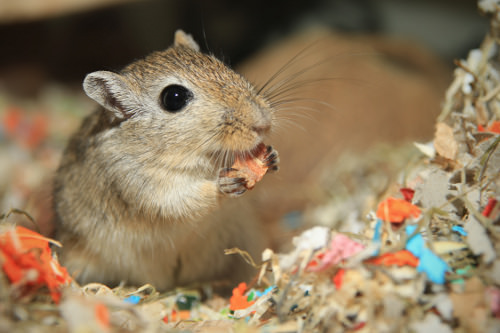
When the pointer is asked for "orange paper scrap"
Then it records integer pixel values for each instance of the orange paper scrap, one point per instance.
(27, 261)
(396, 210)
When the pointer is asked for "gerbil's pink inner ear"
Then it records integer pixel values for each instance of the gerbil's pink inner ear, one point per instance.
(111, 91)
(186, 40)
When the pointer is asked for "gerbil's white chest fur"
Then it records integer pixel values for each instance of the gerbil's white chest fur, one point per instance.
(139, 178)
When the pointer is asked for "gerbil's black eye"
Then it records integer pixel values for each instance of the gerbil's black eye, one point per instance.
(174, 97)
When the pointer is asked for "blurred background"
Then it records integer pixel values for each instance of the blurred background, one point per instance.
(47, 47)
(62, 40)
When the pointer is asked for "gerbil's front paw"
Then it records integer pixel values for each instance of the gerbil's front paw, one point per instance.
(247, 170)
(230, 183)
(271, 159)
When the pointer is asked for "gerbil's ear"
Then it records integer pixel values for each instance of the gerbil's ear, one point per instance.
(110, 90)
(186, 40)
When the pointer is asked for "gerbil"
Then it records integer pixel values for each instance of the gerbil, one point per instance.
(140, 176)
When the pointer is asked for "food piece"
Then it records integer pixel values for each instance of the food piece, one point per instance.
(251, 166)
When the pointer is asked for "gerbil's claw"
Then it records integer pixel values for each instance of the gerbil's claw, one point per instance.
(271, 159)
(231, 186)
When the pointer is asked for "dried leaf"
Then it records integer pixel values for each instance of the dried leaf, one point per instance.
(444, 305)
(470, 306)
(431, 323)
(444, 141)
(434, 191)
(427, 149)
(478, 240)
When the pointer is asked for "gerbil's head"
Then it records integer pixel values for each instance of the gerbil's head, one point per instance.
(182, 99)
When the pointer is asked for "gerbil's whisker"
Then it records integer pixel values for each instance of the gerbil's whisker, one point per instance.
(304, 115)
(285, 67)
(288, 122)
(299, 73)
(289, 79)
(205, 144)
(220, 159)
(292, 86)
(293, 104)
(279, 87)
(228, 159)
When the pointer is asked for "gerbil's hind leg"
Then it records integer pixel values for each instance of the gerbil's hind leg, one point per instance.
(230, 185)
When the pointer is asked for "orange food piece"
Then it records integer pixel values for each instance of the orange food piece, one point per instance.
(251, 166)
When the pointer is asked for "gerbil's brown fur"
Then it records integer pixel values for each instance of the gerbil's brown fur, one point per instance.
(136, 182)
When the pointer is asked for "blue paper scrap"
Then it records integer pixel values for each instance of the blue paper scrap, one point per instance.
(432, 265)
(134, 299)
(459, 229)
